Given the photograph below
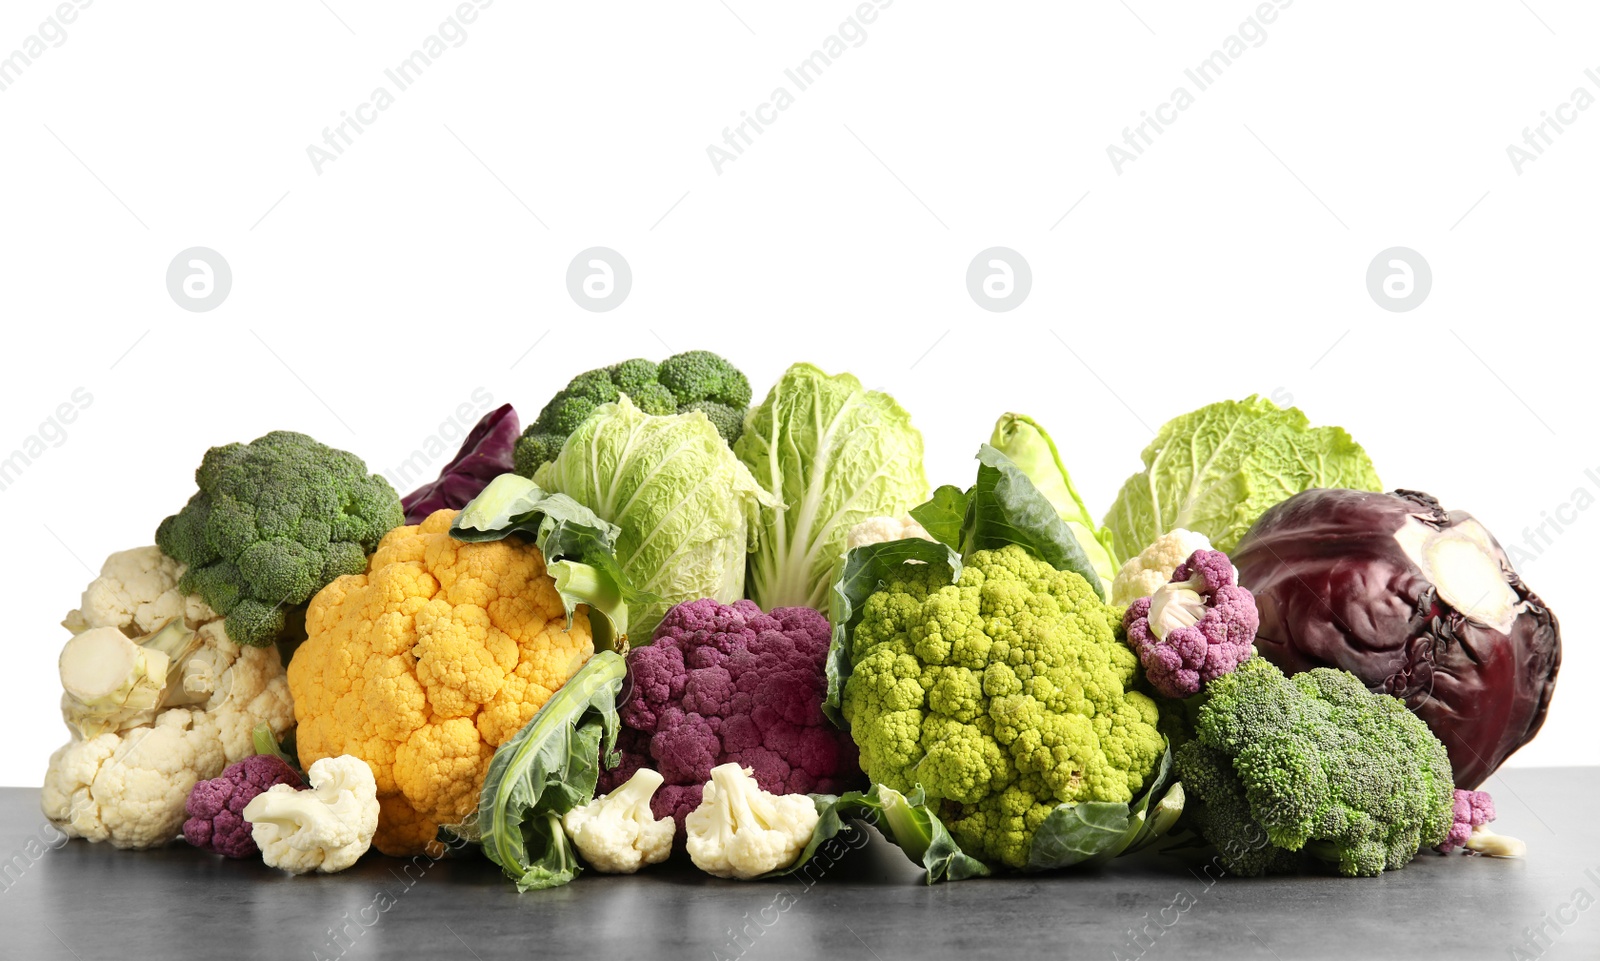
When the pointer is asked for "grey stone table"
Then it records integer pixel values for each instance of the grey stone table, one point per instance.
(87, 902)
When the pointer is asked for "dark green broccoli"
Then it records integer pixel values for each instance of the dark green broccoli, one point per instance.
(533, 450)
(273, 522)
(702, 375)
(632, 375)
(1315, 764)
(694, 380)
(729, 421)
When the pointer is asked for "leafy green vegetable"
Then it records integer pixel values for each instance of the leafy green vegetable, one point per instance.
(831, 454)
(1026, 443)
(1004, 507)
(1096, 831)
(864, 572)
(546, 770)
(562, 529)
(943, 514)
(1217, 469)
(264, 742)
(684, 504)
(907, 822)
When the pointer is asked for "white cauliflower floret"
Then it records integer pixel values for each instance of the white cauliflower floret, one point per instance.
(741, 831)
(325, 829)
(1141, 576)
(881, 530)
(617, 833)
(137, 591)
(127, 785)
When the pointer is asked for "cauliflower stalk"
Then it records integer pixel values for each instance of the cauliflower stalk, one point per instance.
(1002, 693)
(1144, 573)
(426, 663)
(113, 681)
(1470, 830)
(325, 829)
(741, 831)
(169, 702)
(616, 833)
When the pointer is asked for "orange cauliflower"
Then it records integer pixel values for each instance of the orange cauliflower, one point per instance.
(428, 662)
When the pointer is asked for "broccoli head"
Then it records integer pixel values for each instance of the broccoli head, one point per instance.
(632, 376)
(702, 375)
(1003, 695)
(533, 449)
(274, 521)
(1313, 763)
(694, 380)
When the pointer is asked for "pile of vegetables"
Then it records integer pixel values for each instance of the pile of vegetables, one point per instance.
(661, 623)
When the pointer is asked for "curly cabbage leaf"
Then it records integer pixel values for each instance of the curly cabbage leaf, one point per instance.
(685, 506)
(1217, 469)
(831, 454)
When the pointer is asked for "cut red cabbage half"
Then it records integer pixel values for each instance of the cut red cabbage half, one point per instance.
(1418, 602)
(484, 455)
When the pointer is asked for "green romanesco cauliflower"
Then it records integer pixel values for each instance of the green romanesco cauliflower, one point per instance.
(1002, 695)
(1313, 763)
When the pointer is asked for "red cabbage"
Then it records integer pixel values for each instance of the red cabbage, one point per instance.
(1418, 602)
(485, 455)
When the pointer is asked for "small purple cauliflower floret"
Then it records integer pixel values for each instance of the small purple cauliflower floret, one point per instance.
(216, 807)
(724, 683)
(1473, 809)
(1194, 629)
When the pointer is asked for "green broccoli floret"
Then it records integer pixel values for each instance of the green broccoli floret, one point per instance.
(1003, 695)
(534, 449)
(702, 375)
(631, 376)
(1313, 763)
(655, 400)
(728, 421)
(274, 521)
(695, 380)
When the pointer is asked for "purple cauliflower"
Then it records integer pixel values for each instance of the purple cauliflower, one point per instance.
(1473, 808)
(216, 819)
(726, 683)
(1194, 629)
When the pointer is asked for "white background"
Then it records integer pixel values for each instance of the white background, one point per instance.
(371, 299)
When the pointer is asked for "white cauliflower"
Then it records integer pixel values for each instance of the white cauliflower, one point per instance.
(124, 778)
(881, 530)
(325, 829)
(1141, 576)
(617, 833)
(741, 831)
